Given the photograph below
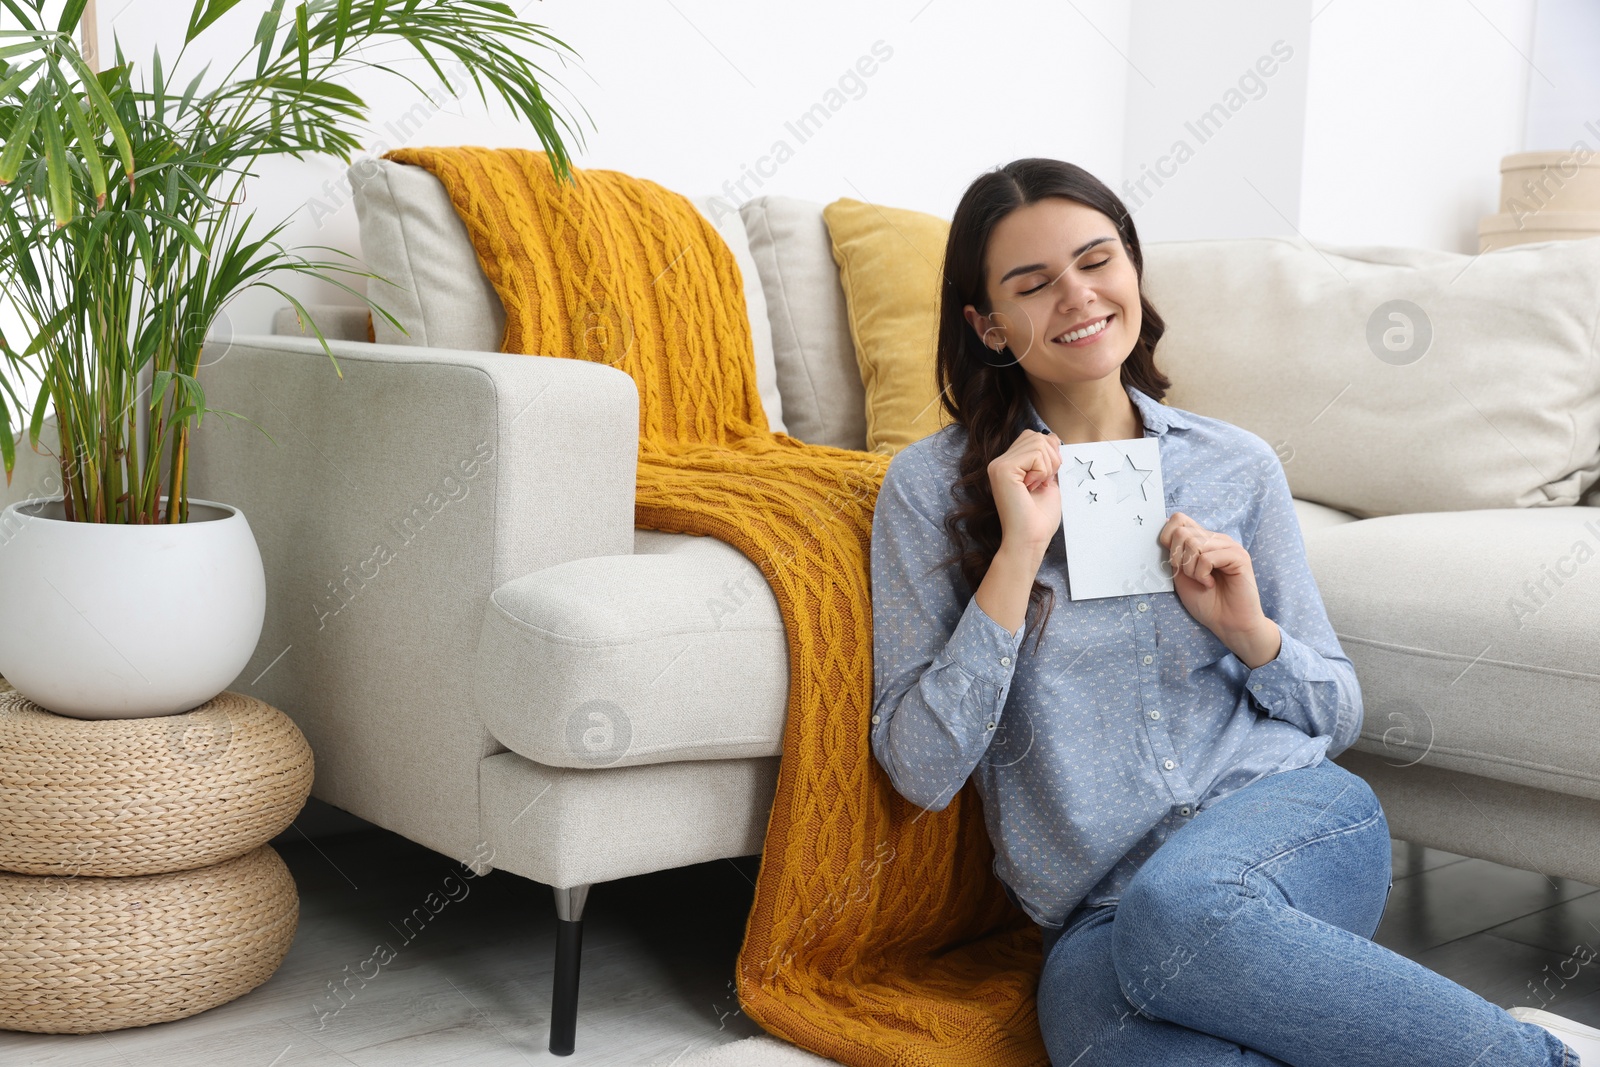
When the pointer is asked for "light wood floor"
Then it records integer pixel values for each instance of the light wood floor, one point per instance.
(472, 986)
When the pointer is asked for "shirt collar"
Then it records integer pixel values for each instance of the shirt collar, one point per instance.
(1156, 416)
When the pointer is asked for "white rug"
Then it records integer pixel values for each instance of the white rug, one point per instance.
(761, 1051)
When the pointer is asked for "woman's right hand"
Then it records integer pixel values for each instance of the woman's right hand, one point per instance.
(1027, 492)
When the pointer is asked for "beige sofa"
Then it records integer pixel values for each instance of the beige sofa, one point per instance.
(490, 660)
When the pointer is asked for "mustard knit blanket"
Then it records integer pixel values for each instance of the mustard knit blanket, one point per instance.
(878, 935)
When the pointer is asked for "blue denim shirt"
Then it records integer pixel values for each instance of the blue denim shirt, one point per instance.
(1131, 716)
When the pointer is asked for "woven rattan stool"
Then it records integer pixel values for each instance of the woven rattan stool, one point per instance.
(142, 887)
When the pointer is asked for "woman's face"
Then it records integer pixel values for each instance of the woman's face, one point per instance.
(1054, 268)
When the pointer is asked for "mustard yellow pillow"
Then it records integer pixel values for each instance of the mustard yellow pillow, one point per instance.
(889, 265)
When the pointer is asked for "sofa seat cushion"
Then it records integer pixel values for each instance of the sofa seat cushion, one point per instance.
(1314, 516)
(611, 661)
(1473, 637)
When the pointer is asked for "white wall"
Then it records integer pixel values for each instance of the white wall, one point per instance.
(1409, 110)
(1378, 123)
(1564, 76)
(1216, 117)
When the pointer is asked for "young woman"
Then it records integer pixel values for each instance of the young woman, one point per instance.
(1154, 771)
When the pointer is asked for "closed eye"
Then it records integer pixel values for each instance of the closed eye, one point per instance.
(1087, 266)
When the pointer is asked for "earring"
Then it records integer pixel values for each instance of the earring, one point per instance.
(999, 347)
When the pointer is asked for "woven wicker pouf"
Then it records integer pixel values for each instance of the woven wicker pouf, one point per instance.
(142, 887)
(81, 955)
(120, 797)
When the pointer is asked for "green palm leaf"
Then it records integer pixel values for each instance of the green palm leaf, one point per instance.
(122, 227)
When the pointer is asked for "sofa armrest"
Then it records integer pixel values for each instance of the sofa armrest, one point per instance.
(393, 503)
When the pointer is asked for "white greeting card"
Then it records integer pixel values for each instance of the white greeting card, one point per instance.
(1112, 512)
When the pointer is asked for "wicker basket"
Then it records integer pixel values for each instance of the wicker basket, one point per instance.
(82, 955)
(128, 797)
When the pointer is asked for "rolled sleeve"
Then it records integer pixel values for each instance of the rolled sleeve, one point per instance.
(1304, 687)
(982, 647)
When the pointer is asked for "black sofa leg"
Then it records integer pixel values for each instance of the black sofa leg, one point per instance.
(569, 952)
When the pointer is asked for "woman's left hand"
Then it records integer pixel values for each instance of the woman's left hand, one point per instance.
(1213, 577)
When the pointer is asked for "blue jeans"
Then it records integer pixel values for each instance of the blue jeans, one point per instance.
(1245, 940)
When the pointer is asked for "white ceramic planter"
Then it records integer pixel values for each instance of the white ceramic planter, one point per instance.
(104, 621)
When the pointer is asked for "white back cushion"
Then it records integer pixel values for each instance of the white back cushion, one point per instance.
(1481, 391)
(824, 401)
(411, 235)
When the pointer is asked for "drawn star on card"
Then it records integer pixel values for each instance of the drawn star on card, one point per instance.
(1129, 480)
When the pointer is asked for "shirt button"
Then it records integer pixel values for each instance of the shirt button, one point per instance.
(991, 726)
(1149, 659)
(874, 720)
(1005, 661)
(1256, 686)
(1183, 810)
(1168, 764)
(1143, 606)
(1153, 714)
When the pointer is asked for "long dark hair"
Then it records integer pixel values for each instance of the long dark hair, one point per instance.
(990, 401)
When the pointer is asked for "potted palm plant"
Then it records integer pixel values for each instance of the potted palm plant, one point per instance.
(122, 235)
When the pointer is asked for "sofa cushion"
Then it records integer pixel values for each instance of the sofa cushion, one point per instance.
(1316, 516)
(672, 654)
(889, 266)
(1472, 634)
(411, 234)
(1392, 380)
(824, 402)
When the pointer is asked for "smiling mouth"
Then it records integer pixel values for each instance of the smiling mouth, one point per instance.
(1085, 334)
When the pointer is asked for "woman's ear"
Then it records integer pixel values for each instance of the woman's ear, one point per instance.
(981, 324)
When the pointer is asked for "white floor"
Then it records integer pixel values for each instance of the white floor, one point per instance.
(472, 984)
(469, 985)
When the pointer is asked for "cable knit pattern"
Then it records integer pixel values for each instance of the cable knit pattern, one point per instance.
(878, 935)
